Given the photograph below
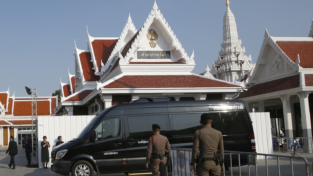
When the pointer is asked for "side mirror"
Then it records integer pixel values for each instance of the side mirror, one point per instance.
(94, 137)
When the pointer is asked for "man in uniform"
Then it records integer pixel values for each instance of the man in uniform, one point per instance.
(156, 152)
(27, 146)
(209, 141)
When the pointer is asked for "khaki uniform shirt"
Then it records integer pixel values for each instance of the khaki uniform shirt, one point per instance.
(158, 145)
(209, 141)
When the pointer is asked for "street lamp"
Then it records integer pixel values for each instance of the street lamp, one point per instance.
(33, 93)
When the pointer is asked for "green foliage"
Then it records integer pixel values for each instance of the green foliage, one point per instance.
(57, 93)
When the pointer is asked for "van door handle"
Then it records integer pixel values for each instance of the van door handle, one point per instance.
(117, 144)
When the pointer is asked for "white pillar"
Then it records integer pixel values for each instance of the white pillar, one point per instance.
(135, 97)
(69, 110)
(261, 106)
(201, 97)
(287, 116)
(107, 100)
(306, 120)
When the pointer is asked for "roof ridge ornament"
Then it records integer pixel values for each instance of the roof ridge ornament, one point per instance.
(227, 2)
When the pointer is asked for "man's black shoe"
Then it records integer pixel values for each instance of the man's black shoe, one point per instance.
(9, 165)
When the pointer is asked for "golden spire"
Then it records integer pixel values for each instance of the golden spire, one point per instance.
(227, 2)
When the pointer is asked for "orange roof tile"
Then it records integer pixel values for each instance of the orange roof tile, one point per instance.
(2, 122)
(10, 106)
(80, 96)
(303, 48)
(102, 50)
(73, 82)
(66, 90)
(4, 99)
(89, 73)
(23, 108)
(21, 122)
(53, 105)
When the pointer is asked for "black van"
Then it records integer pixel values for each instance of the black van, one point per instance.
(116, 140)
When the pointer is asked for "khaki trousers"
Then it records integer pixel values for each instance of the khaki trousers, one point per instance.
(157, 166)
(208, 168)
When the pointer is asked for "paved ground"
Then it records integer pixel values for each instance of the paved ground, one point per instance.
(21, 170)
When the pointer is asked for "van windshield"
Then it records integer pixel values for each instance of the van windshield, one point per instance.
(92, 124)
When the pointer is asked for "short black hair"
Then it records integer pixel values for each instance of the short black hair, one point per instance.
(206, 118)
(11, 137)
(44, 137)
(156, 127)
(59, 137)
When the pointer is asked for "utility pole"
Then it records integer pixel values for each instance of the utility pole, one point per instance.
(33, 93)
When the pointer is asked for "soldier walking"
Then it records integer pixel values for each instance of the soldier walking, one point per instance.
(156, 157)
(210, 143)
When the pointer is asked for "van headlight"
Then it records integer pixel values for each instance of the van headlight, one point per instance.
(61, 154)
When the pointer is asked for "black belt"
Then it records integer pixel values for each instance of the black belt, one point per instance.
(207, 159)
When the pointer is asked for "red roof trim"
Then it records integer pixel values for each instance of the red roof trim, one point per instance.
(102, 50)
(80, 96)
(88, 72)
(166, 81)
(21, 122)
(4, 99)
(73, 83)
(66, 90)
(2, 122)
(23, 108)
(272, 86)
(303, 48)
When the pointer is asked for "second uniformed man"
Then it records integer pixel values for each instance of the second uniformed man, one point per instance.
(209, 141)
(156, 158)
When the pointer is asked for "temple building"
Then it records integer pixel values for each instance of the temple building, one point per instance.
(282, 83)
(16, 112)
(232, 64)
(145, 63)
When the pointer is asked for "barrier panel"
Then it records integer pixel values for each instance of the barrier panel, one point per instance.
(181, 163)
(69, 127)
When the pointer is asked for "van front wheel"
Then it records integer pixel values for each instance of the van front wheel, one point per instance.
(82, 168)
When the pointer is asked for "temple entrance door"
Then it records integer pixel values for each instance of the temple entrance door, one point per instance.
(298, 131)
(5, 136)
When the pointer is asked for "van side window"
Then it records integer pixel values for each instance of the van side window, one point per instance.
(185, 124)
(140, 127)
(108, 128)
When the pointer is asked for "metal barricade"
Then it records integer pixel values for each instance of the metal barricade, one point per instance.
(181, 158)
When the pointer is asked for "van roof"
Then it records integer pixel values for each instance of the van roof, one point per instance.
(179, 103)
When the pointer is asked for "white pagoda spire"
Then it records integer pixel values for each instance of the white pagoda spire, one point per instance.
(232, 63)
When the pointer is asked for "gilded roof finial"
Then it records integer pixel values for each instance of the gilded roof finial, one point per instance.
(227, 2)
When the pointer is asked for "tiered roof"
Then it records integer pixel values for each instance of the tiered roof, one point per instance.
(21, 106)
(110, 60)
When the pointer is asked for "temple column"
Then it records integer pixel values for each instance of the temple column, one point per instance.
(107, 100)
(287, 116)
(306, 120)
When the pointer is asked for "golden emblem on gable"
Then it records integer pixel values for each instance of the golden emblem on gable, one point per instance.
(152, 35)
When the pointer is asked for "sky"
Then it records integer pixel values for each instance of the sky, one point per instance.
(37, 37)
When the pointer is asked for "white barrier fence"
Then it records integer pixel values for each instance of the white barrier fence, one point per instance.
(69, 127)
(181, 163)
(261, 123)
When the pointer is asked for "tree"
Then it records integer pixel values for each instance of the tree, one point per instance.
(57, 93)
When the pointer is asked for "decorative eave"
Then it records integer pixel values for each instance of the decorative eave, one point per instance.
(272, 42)
(70, 81)
(1, 108)
(93, 58)
(129, 27)
(76, 53)
(7, 105)
(156, 14)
